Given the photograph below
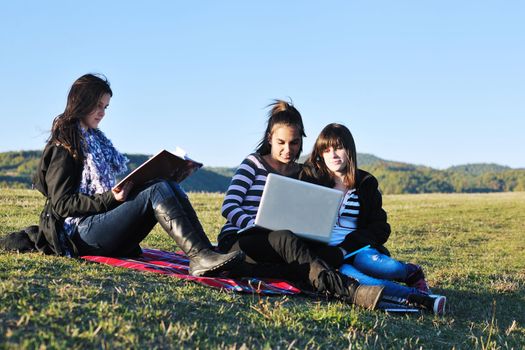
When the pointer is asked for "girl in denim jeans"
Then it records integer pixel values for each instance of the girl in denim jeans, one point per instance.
(361, 228)
(85, 215)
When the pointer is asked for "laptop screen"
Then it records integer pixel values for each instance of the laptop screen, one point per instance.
(306, 209)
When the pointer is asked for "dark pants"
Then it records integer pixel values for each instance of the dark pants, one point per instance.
(119, 231)
(281, 254)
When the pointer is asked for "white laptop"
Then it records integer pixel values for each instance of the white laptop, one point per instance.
(306, 209)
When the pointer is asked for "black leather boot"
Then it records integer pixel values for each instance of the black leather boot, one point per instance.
(334, 283)
(187, 232)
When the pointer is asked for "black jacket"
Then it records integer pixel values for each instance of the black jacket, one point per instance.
(58, 178)
(372, 225)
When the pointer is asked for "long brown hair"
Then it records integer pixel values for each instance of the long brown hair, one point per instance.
(83, 98)
(336, 136)
(281, 112)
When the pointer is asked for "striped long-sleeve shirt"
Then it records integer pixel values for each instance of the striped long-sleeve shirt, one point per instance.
(243, 196)
(346, 217)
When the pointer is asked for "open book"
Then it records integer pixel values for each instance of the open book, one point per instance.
(164, 165)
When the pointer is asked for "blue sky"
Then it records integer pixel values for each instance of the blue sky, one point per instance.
(437, 83)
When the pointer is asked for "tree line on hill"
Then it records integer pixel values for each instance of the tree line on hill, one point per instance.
(16, 169)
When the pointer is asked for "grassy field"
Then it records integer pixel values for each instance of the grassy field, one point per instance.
(470, 244)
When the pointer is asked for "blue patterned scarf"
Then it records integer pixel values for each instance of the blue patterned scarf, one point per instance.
(102, 163)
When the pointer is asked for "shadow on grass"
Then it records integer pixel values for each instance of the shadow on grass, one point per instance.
(474, 307)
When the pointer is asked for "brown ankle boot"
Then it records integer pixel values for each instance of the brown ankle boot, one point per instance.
(334, 283)
(367, 296)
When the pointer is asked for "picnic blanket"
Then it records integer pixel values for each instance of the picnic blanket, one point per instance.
(177, 265)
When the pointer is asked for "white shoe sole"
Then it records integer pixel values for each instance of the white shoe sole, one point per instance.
(439, 304)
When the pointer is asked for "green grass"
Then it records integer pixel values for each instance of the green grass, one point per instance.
(470, 244)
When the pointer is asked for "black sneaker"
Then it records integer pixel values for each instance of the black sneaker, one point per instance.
(433, 302)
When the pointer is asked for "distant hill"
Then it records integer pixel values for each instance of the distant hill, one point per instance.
(394, 177)
(363, 159)
(479, 168)
(16, 169)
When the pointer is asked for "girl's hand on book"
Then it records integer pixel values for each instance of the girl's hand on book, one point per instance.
(121, 193)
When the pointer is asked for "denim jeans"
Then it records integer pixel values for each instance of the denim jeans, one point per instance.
(120, 230)
(370, 267)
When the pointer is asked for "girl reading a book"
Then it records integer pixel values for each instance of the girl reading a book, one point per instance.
(281, 253)
(361, 228)
(85, 215)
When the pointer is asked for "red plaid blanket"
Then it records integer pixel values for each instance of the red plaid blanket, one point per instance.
(176, 265)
